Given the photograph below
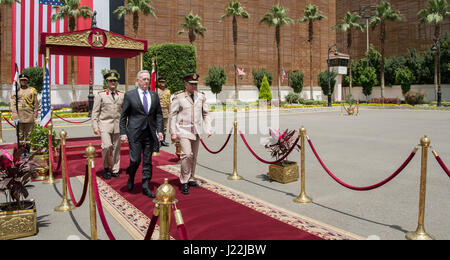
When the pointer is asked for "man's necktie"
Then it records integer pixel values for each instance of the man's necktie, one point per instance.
(113, 94)
(192, 96)
(145, 101)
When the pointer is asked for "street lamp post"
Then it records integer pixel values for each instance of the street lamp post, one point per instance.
(437, 48)
(363, 14)
(330, 49)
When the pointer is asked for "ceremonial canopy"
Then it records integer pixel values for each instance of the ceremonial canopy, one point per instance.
(91, 42)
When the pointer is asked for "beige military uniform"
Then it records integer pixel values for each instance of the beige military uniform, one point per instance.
(164, 98)
(105, 117)
(28, 111)
(188, 120)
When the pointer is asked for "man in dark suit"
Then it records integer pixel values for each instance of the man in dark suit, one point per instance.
(141, 125)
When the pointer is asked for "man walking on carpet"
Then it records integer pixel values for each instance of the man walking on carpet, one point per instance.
(105, 122)
(141, 125)
(189, 117)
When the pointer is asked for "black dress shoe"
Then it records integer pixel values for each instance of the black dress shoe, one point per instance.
(107, 174)
(115, 175)
(148, 193)
(130, 183)
(163, 143)
(193, 184)
(185, 188)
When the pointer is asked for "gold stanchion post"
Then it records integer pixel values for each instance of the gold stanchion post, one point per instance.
(235, 176)
(420, 233)
(90, 153)
(51, 179)
(165, 198)
(302, 198)
(65, 204)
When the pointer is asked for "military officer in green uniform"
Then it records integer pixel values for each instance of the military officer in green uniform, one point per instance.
(105, 122)
(27, 112)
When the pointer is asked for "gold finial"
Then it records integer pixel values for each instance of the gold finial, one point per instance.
(90, 151)
(425, 141)
(165, 193)
(303, 130)
(63, 135)
(50, 126)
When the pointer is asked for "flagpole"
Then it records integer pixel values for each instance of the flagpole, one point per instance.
(17, 111)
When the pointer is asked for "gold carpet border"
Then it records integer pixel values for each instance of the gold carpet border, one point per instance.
(136, 223)
(309, 225)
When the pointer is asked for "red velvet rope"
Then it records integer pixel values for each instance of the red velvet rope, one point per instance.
(368, 187)
(71, 121)
(9, 122)
(182, 232)
(69, 186)
(100, 207)
(267, 162)
(151, 228)
(221, 149)
(50, 148)
(442, 164)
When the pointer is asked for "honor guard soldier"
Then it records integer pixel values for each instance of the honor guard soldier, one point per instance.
(164, 98)
(189, 117)
(28, 107)
(105, 122)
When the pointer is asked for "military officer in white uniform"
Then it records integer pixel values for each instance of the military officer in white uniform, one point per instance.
(105, 122)
(189, 118)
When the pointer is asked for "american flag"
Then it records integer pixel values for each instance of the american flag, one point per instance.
(29, 19)
(283, 75)
(46, 112)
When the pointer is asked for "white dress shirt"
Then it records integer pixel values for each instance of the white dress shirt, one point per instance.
(149, 98)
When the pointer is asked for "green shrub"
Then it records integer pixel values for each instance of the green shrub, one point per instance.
(296, 81)
(368, 79)
(174, 61)
(216, 79)
(323, 81)
(258, 76)
(264, 91)
(405, 78)
(36, 77)
(39, 138)
(294, 98)
(415, 98)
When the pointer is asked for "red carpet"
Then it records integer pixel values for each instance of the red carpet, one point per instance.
(208, 215)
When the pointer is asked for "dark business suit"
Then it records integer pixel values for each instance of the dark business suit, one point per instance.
(141, 129)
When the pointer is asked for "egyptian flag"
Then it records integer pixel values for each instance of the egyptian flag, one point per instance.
(107, 20)
(154, 78)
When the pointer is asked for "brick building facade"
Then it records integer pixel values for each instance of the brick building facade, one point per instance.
(256, 42)
(400, 36)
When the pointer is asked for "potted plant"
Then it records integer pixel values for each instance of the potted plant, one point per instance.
(39, 146)
(279, 144)
(17, 215)
(350, 101)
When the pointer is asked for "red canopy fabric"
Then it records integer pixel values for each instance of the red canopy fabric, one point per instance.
(94, 42)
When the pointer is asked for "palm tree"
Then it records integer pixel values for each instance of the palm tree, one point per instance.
(435, 13)
(4, 3)
(312, 14)
(72, 10)
(193, 26)
(383, 14)
(347, 24)
(134, 7)
(236, 10)
(277, 17)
